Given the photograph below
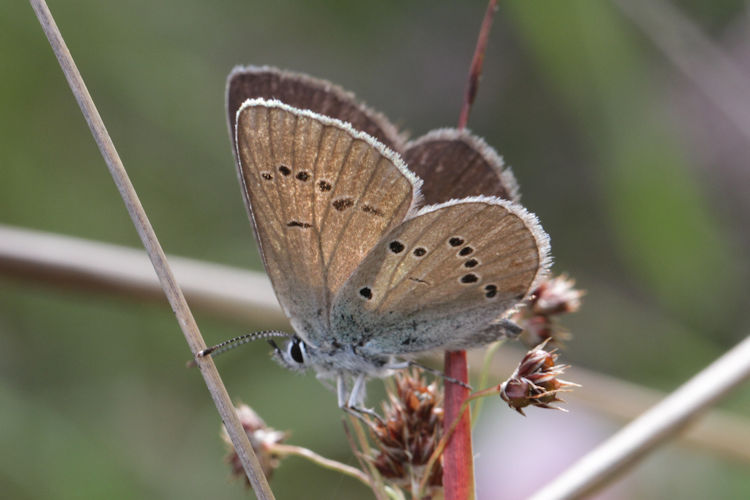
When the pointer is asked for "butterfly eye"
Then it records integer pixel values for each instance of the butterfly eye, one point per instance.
(295, 351)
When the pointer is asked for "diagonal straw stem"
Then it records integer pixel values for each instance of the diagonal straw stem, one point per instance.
(154, 250)
(657, 425)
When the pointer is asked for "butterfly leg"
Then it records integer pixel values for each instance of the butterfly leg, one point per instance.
(439, 373)
(357, 396)
(351, 402)
(406, 364)
(341, 391)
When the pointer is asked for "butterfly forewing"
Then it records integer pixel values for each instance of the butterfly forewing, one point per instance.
(320, 195)
(442, 275)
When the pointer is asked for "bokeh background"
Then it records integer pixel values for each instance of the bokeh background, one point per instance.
(640, 178)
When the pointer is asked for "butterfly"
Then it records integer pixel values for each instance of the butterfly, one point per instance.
(378, 249)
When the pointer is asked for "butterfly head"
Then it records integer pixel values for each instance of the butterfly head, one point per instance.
(329, 361)
(294, 354)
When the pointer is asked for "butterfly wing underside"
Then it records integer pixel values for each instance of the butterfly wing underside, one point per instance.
(320, 196)
(442, 276)
(305, 92)
(457, 164)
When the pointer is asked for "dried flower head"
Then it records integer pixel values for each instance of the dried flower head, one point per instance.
(535, 382)
(552, 298)
(262, 438)
(408, 434)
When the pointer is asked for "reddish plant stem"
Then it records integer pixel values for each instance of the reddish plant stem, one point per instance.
(472, 85)
(458, 460)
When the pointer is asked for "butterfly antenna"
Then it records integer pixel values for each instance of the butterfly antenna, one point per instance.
(439, 373)
(230, 344)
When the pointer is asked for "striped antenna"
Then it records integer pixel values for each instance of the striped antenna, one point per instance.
(238, 341)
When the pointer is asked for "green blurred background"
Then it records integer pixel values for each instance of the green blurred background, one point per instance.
(642, 183)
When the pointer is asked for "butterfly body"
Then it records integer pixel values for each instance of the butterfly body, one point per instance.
(370, 275)
(331, 362)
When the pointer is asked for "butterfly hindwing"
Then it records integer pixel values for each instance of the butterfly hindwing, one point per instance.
(456, 164)
(442, 276)
(320, 196)
(305, 92)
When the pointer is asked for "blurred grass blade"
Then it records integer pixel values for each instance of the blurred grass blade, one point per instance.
(153, 248)
(247, 296)
(657, 213)
(715, 73)
(659, 424)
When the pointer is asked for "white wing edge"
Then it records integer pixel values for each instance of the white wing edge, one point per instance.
(529, 219)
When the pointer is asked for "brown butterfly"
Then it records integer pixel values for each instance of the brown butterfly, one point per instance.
(374, 261)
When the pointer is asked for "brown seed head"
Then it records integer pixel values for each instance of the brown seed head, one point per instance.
(556, 296)
(552, 298)
(261, 437)
(535, 381)
(407, 436)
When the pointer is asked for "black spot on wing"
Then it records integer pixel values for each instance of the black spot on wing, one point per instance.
(469, 278)
(372, 210)
(342, 204)
(296, 223)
